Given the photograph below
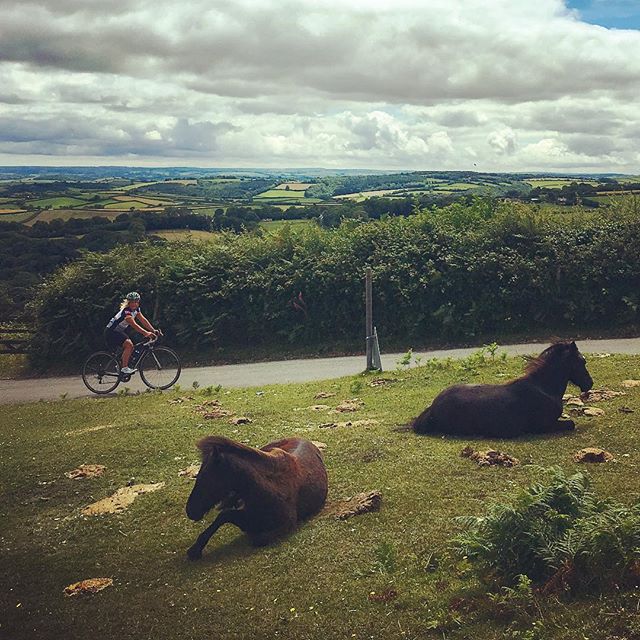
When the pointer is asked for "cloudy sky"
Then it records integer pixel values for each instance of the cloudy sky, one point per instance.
(490, 85)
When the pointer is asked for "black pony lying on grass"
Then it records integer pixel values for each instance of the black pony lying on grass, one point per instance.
(530, 404)
(265, 492)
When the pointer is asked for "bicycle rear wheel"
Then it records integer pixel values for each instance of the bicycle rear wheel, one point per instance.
(160, 368)
(101, 372)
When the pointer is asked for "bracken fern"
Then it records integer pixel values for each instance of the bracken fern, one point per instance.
(559, 534)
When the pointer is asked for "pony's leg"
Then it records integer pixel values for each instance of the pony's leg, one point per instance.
(287, 522)
(558, 425)
(237, 517)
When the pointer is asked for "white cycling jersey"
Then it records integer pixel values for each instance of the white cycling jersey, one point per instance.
(119, 321)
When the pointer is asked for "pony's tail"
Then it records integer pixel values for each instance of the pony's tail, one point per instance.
(424, 423)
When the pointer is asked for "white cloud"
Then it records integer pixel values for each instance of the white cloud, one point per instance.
(418, 83)
(503, 141)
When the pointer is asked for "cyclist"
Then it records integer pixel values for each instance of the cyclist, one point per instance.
(116, 333)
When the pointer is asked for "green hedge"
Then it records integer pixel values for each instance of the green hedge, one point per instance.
(481, 269)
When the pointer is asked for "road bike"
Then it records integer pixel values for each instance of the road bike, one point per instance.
(159, 367)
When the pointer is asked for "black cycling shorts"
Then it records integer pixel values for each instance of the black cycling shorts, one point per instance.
(114, 339)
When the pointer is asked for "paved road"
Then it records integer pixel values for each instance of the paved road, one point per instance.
(285, 371)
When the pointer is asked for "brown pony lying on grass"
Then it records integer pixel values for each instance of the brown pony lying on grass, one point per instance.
(529, 404)
(265, 492)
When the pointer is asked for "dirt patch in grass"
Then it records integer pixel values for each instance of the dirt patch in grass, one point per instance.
(371, 455)
(190, 472)
(490, 458)
(86, 471)
(381, 382)
(181, 400)
(241, 420)
(630, 384)
(592, 454)
(323, 394)
(120, 500)
(366, 502)
(576, 404)
(601, 395)
(212, 410)
(80, 432)
(348, 406)
(320, 445)
(92, 585)
(348, 423)
(387, 595)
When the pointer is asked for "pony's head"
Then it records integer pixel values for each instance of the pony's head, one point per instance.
(212, 482)
(577, 367)
(566, 357)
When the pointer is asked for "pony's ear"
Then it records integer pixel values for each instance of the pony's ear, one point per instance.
(573, 346)
(210, 449)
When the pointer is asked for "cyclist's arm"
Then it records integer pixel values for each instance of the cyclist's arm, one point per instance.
(145, 323)
(134, 325)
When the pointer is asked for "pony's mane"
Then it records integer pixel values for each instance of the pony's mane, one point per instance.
(220, 444)
(535, 363)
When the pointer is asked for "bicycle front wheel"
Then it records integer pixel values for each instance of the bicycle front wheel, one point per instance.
(101, 372)
(160, 368)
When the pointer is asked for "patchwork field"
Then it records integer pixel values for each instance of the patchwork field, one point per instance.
(17, 216)
(295, 186)
(179, 235)
(458, 186)
(274, 225)
(362, 195)
(137, 185)
(58, 203)
(383, 575)
(557, 183)
(280, 194)
(125, 205)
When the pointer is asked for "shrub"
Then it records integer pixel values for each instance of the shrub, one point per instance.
(559, 534)
(491, 270)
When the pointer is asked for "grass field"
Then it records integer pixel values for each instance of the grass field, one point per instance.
(295, 186)
(62, 202)
(610, 197)
(143, 200)
(279, 194)
(274, 225)
(22, 216)
(329, 579)
(178, 235)
(363, 195)
(137, 185)
(557, 183)
(125, 205)
(458, 186)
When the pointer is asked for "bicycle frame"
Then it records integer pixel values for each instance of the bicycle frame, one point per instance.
(144, 348)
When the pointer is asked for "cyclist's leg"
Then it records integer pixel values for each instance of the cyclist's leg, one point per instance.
(114, 340)
(127, 348)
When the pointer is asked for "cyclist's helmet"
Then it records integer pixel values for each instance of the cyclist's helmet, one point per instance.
(133, 295)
